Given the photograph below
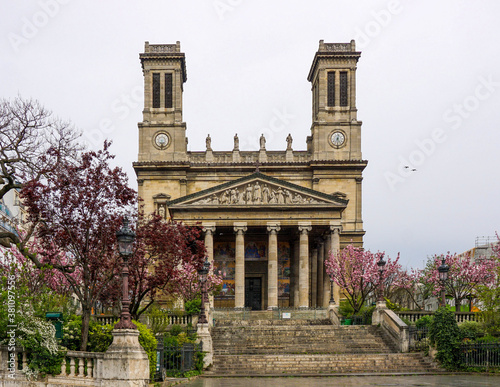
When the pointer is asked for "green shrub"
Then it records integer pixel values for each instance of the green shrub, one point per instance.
(149, 343)
(345, 309)
(488, 339)
(175, 330)
(193, 307)
(444, 333)
(72, 333)
(470, 330)
(424, 321)
(100, 337)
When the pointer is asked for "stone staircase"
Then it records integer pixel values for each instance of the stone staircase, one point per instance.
(301, 347)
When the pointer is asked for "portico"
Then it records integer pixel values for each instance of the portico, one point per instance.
(251, 225)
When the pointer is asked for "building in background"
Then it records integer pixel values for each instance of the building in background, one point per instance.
(270, 217)
(12, 213)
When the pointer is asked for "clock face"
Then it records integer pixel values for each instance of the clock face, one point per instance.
(337, 139)
(161, 140)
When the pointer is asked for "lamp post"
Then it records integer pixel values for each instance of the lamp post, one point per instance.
(381, 267)
(332, 300)
(443, 277)
(125, 237)
(203, 273)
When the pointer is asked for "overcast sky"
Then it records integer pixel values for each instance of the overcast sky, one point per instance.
(428, 92)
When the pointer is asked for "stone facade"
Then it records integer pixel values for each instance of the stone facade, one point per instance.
(270, 217)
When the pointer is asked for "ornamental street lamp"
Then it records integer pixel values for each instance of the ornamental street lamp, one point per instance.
(381, 267)
(125, 237)
(443, 277)
(332, 300)
(203, 273)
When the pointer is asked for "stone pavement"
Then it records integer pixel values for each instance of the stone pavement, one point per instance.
(353, 381)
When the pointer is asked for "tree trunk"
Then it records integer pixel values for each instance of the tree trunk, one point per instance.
(85, 327)
(457, 304)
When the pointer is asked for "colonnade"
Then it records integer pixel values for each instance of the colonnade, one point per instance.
(310, 285)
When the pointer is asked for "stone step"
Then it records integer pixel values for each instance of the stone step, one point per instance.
(267, 348)
(299, 339)
(315, 363)
(263, 322)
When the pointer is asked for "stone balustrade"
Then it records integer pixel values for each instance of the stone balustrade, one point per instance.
(77, 369)
(82, 364)
(170, 319)
(105, 319)
(248, 157)
(460, 317)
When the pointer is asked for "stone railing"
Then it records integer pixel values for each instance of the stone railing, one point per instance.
(161, 48)
(105, 319)
(460, 317)
(77, 369)
(171, 318)
(249, 157)
(86, 365)
(396, 329)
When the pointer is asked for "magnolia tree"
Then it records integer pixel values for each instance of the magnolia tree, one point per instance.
(464, 277)
(356, 272)
(76, 213)
(36, 290)
(189, 286)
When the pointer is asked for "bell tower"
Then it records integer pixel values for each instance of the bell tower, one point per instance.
(162, 134)
(335, 130)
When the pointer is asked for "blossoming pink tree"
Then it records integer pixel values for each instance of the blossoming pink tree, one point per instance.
(411, 283)
(356, 272)
(464, 276)
(188, 285)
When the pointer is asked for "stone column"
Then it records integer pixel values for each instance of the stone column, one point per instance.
(335, 248)
(272, 267)
(304, 230)
(326, 277)
(314, 276)
(209, 229)
(321, 271)
(239, 276)
(296, 271)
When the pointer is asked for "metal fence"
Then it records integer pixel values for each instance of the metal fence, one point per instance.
(174, 360)
(419, 338)
(480, 355)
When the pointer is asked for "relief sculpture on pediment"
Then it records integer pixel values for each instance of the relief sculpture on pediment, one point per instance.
(257, 194)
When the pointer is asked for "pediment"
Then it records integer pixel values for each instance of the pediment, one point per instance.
(258, 190)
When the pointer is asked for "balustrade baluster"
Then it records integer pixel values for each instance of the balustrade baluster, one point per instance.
(89, 368)
(63, 366)
(25, 360)
(81, 366)
(72, 366)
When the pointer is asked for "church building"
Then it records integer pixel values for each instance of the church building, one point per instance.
(270, 218)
